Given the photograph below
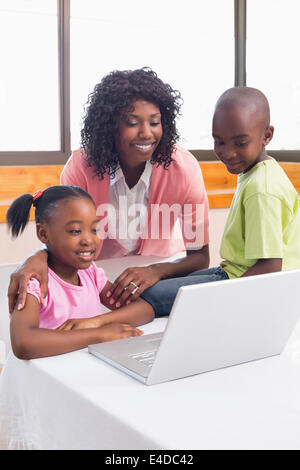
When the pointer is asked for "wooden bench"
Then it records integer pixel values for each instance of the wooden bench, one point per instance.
(219, 183)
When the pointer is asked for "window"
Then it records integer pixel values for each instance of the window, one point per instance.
(273, 37)
(31, 116)
(198, 46)
(190, 45)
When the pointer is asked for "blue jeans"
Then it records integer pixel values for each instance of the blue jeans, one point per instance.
(162, 295)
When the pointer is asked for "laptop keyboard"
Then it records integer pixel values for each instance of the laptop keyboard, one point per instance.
(146, 357)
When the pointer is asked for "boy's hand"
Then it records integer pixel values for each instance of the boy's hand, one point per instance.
(264, 266)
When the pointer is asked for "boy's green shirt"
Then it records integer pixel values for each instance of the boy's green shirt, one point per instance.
(263, 221)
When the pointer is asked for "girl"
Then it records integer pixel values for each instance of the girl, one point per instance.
(66, 223)
(129, 152)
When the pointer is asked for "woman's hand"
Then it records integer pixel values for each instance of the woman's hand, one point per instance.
(130, 284)
(35, 266)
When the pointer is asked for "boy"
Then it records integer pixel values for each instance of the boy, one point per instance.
(262, 231)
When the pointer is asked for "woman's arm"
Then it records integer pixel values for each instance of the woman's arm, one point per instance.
(35, 266)
(264, 266)
(144, 277)
(195, 260)
(30, 342)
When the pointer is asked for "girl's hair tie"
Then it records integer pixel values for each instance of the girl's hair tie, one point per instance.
(37, 194)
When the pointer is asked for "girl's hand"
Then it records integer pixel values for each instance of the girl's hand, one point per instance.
(35, 266)
(80, 323)
(130, 284)
(108, 332)
(113, 331)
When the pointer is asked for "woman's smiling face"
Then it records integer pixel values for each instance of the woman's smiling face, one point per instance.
(139, 133)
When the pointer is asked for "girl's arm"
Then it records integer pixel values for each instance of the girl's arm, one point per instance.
(29, 341)
(136, 313)
(264, 266)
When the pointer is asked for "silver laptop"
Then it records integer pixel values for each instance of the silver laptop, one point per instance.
(211, 326)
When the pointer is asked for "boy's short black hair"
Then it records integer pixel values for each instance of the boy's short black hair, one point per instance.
(246, 96)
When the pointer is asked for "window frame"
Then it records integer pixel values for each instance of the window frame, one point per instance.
(59, 156)
(240, 79)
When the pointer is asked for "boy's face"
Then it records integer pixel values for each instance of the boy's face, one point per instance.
(240, 138)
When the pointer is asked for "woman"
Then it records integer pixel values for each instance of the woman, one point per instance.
(141, 181)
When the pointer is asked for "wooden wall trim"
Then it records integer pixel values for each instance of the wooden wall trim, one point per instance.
(16, 180)
(219, 183)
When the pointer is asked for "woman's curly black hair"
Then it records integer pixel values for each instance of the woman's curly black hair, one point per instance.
(108, 104)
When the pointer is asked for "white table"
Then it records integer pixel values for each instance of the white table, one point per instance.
(76, 401)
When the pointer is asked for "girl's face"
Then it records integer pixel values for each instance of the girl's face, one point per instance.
(139, 133)
(71, 235)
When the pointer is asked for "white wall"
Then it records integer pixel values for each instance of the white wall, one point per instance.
(217, 219)
(15, 251)
(5, 271)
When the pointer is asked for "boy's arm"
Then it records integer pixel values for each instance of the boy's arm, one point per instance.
(30, 342)
(264, 266)
(264, 215)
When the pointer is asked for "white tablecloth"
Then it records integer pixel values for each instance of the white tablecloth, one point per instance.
(76, 401)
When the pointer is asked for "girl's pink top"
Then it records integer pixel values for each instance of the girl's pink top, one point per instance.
(66, 301)
(180, 184)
